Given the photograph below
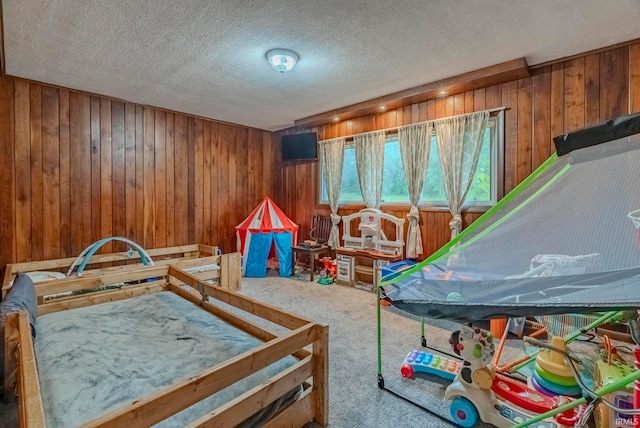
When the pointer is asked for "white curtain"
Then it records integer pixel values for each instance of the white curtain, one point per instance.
(415, 141)
(459, 140)
(369, 150)
(331, 160)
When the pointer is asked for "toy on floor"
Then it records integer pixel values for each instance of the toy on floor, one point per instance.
(328, 271)
(425, 362)
(610, 368)
(479, 394)
(551, 374)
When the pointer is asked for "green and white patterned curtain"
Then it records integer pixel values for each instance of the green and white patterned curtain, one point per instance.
(369, 150)
(331, 160)
(415, 141)
(459, 141)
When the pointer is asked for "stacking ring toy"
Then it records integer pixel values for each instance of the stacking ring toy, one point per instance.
(572, 391)
(554, 378)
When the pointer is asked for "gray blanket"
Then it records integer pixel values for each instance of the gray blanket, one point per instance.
(93, 360)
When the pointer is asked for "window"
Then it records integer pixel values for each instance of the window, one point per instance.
(483, 191)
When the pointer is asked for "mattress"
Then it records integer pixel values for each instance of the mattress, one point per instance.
(95, 359)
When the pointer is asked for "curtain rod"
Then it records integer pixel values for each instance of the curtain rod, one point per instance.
(396, 128)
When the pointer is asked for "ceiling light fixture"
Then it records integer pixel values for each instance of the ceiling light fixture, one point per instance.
(282, 60)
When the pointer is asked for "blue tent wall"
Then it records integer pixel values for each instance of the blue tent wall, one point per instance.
(284, 242)
(259, 246)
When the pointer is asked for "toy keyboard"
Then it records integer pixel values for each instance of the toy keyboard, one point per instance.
(425, 362)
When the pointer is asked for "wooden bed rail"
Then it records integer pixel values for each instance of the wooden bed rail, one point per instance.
(20, 364)
(263, 310)
(161, 256)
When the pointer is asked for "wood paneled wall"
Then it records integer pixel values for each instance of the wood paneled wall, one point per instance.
(75, 168)
(555, 99)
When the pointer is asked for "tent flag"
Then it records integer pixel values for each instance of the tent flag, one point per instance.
(562, 242)
(266, 228)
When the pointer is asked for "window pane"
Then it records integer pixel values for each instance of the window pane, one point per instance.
(394, 186)
(433, 188)
(480, 190)
(350, 188)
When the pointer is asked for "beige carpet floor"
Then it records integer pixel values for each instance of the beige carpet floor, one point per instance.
(354, 397)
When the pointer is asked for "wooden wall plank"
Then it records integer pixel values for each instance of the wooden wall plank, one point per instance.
(270, 160)
(574, 94)
(96, 160)
(191, 176)
(140, 225)
(458, 104)
(51, 173)
(149, 200)
(441, 108)
(22, 170)
(542, 145)
(160, 171)
(80, 170)
(206, 184)
(226, 139)
(592, 89)
(181, 179)
(170, 175)
(634, 78)
(65, 178)
(130, 171)
(118, 176)
(469, 101)
(37, 219)
(198, 170)
(614, 82)
(493, 96)
(525, 129)
(106, 173)
(261, 191)
(510, 101)
(7, 175)
(236, 194)
(449, 106)
(557, 101)
(215, 162)
(252, 179)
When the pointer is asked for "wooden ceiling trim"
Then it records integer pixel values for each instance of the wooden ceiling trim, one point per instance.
(484, 77)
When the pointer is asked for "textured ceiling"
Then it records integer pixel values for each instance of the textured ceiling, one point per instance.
(206, 57)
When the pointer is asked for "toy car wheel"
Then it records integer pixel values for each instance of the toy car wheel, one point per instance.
(463, 412)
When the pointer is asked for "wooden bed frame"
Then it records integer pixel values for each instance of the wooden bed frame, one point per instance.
(185, 256)
(311, 370)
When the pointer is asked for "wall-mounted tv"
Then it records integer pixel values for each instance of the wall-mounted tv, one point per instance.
(300, 147)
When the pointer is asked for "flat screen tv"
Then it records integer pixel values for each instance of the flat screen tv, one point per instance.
(300, 147)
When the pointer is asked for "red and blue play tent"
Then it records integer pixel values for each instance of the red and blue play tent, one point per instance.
(266, 228)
